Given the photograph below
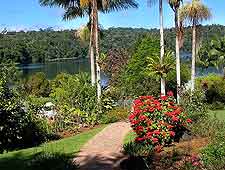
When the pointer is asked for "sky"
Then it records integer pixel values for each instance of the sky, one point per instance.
(29, 15)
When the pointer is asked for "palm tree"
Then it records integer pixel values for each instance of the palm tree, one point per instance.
(162, 49)
(194, 12)
(175, 5)
(81, 8)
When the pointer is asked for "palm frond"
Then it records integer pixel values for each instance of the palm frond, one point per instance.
(195, 12)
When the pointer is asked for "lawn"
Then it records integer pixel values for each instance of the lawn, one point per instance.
(63, 149)
(219, 114)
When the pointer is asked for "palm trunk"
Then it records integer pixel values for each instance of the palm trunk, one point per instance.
(91, 50)
(163, 82)
(177, 56)
(193, 57)
(98, 76)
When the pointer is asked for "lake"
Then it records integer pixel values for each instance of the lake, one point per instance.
(51, 69)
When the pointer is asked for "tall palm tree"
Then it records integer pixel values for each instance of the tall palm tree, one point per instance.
(175, 5)
(162, 47)
(81, 8)
(194, 12)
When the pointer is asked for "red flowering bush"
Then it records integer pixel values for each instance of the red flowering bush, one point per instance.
(158, 121)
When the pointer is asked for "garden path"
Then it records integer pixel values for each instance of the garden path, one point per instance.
(103, 152)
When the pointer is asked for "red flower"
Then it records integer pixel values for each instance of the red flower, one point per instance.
(172, 133)
(139, 128)
(139, 139)
(189, 121)
(132, 116)
(155, 140)
(170, 93)
(164, 97)
(156, 132)
(151, 109)
(175, 119)
(142, 117)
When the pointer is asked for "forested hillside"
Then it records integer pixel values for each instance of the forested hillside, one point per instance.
(47, 45)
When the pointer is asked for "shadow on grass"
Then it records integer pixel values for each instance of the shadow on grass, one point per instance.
(38, 161)
(99, 162)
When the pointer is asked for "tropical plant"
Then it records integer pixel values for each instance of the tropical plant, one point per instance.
(212, 54)
(162, 68)
(194, 12)
(175, 5)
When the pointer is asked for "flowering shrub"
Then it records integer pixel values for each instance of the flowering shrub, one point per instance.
(158, 121)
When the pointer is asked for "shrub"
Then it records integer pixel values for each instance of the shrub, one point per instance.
(116, 114)
(213, 155)
(37, 85)
(13, 118)
(214, 87)
(194, 103)
(158, 121)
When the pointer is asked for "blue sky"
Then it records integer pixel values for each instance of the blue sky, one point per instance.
(28, 14)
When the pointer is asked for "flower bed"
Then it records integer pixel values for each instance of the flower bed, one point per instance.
(158, 121)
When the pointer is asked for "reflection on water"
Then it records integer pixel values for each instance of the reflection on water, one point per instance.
(51, 69)
(76, 66)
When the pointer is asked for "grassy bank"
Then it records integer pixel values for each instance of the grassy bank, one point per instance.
(56, 154)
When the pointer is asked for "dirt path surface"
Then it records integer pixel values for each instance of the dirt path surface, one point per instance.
(103, 152)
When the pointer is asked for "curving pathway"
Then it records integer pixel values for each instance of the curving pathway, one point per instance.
(103, 152)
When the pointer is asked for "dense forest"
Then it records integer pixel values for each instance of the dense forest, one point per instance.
(48, 45)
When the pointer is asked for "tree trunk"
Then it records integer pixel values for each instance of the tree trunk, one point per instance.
(98, 76)
(162, 51)
(193, 57)
(177, 56)
(91, 50)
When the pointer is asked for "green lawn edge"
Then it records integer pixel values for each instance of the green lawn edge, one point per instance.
(69, 146)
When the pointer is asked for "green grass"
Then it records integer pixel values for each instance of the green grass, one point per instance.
(69, 146)
(129, 137)
(219, 114)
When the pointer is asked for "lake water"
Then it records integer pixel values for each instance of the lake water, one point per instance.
(51, 69)
(76, 66)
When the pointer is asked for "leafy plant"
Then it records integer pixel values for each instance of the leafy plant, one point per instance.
(116, 114)
(194, 103)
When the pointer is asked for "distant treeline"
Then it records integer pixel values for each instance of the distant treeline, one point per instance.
(49, 45)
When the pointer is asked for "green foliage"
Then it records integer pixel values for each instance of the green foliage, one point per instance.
(47, 44)
(114, 115)
(13, 118)
(213, 155)
(212, 53)
(41, 46)
(137, 149)
(214, 87)
(194, 103)
(134, 80)
(162, 69)
(37, 85)
(75, 91)
(76, 100)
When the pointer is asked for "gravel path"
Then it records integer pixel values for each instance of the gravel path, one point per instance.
(103, 152)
